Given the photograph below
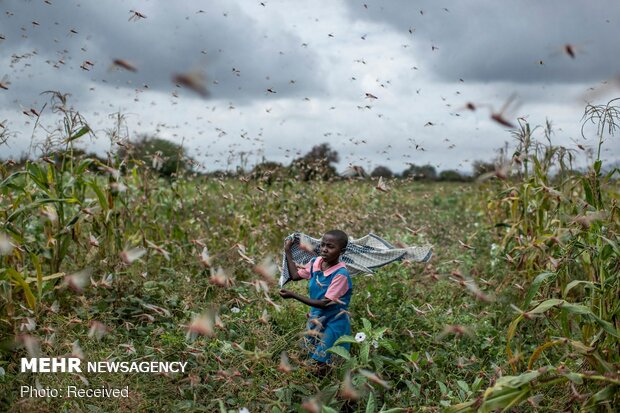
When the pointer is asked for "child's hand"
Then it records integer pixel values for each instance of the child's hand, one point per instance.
(286, 293)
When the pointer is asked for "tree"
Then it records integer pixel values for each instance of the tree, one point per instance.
(481, 168)
(420, 173)
(452, 175)
(268, 172)
(316, 164)
(323, 152)
(166, 157)
(382, 171)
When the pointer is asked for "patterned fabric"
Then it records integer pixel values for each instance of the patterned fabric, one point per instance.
(362, 255)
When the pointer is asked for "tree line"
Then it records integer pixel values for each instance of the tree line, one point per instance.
(170, 159)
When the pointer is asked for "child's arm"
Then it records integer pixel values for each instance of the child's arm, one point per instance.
(292, 267)
(323, 303)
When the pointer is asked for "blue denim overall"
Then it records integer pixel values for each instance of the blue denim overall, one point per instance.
(330, 322)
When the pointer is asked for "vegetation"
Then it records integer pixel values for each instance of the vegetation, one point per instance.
(518, 309)
(420, 173)
(382, 171)
(163, 156)
(316, 164)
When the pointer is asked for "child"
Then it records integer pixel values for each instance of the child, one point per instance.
(329, 291)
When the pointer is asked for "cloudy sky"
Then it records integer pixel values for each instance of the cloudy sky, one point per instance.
(384, 82)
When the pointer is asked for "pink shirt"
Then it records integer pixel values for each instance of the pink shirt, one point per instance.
(339, 284)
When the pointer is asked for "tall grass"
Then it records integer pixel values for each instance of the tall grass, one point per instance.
(561, 237)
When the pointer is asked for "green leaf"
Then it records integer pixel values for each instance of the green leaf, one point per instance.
(9, 178)
(606, 252)
(574, 283)
(103, 202)
(327, 409)
(463, 385)
(371, 406)
(367, 325)
(341, 351)
(612, 173)
(83, 165)
(606, 325)
(605, 395)
(365, 352)
(19, 280)
(509, 398)
(574, 377)
(37, 265)
(378, 333)
(83, 131)
(575, 308)
(588, 191)
(516, 381)
(531, 292)
(38, 177)
(512, 329)
(387, 345)
(46, 277)
(464, 407)
(345, 339)
(614, 245)
(477, 384)
(546, 305)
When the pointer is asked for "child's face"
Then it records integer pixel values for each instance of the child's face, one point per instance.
(330, 248)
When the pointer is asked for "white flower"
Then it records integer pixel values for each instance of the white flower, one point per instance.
(235, 310)
(375, 343)
(244, 410)
(359, 337)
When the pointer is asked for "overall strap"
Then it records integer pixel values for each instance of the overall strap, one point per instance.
(312, 267)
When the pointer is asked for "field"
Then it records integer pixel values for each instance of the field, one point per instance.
(113, 267)
(517, 310)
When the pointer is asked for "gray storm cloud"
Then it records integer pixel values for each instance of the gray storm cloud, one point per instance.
(52, 46)
(512, 41)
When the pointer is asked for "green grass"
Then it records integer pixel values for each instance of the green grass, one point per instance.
(181, 286)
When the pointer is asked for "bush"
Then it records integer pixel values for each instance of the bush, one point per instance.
(420, 173)
(316, 164)
(452, 175)
(163, 156)
(382, 171)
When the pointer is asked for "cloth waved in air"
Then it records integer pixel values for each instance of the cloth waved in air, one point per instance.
(362, 255)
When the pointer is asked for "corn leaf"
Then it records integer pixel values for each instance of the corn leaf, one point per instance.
(19, 279)
(531, 292)
(81, 132)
